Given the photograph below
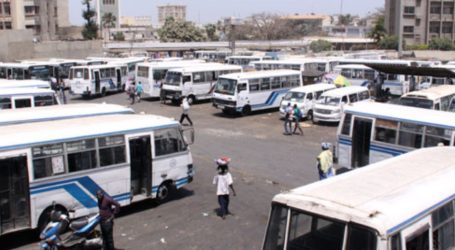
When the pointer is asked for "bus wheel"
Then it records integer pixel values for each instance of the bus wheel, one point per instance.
(246, 110)
(310, 115)
(45, 216)
(103, 92)
(163, 192)
(191, 99)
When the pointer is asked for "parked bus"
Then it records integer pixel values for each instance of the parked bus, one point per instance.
(97, 79)
(21, 71)
(329, 106)
(212, 55)
(251, 91)
(402, 203)
(195, 82)
(305, 98)
(15, 98)
(152, 74)
(437, 97)
(303, 64)
(59, 112)
(8, 84)
(357, 74)
(246, 61)
(130, 157)
(370, 132)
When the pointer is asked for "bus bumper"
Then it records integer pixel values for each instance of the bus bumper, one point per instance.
(224, 104)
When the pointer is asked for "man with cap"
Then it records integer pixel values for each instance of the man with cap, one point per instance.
(325, 162)
(108, 207)
(223, 181)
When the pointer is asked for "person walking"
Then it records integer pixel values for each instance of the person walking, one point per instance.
(185, 111)
(132, 92)
(223, 181)
(288, 119)
(62, 91)
(325, 162)
(108, 207)
(162, 95)
(297, 113)
(139, 91)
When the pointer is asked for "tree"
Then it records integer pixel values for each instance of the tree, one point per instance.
(320, 45)
(90, 30)
(108, 20)
(378, 32)
(119, 36)
(180, 31)
(389, 42)
(269, 27)
(210, 30)
(440, 44)
(345, 19)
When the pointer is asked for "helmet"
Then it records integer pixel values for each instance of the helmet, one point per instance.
(223, 160)
(325, 145)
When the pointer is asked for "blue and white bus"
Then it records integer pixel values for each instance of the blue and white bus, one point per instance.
(130, 157)
(371, 132)
(16, 98)
(251, 91)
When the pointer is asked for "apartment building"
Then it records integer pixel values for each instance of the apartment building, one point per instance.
(44, 17)
(108, 6)
(418, 21)
(178, 12)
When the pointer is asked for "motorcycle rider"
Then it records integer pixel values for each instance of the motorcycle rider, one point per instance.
(108, 207)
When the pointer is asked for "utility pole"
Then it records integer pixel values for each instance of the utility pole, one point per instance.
(400, 28)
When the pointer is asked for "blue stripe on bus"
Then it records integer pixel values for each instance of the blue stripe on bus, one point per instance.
(178, 183)
(374, 147)
(345, 142)
(271, 99)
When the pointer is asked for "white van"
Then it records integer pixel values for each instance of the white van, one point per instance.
(329, 106)
(305, 97)
(15, 98)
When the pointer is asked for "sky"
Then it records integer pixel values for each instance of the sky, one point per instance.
(210, 11)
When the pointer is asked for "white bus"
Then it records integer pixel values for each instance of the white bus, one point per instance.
(195, 82)
(59, 112)
(21, 71)
(152, 74)
(357, 74)
(370, 132)
(246, 61)
(437, 97)
(251, 91)
(212, 55)
(305, 98)
(15, 98)
(402, 203)
(97, 79)
(130, 157)
(8, 84)
(303, 64)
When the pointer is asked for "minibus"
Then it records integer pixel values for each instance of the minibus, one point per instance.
(14, 98)
(437, 97)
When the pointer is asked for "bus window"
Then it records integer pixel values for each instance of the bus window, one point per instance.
(345, 130)
(313, 232)
(254, 85)
(276, 83)
(265, 84)
(168, 141)
(48, 160)
(81, 155)
(2, 73)
(5, 103)
(386, 131)
(276, 229)
(18, 74)
(443, 227)
(364, 95)
(357, 74)
(360, 238)
(112, 150)
(410, 135)
(198, 77)
(434, 135)
(353, 98)
(46, 100)
(369, 74)
(452, 105)
(22, 103)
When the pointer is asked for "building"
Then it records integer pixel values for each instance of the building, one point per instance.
(44, 17)
(107, 6)
(135, 21)
(178, 12)
(346, 31)
(313, 23)
(418, 21)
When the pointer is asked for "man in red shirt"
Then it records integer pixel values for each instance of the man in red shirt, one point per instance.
(108, 207)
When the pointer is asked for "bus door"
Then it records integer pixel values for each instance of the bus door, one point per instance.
(141, 165)
(418, 235)
(22, 102)
(361, 137)
(9, 74)
(14, 192)
(97, 81)
(119, 78)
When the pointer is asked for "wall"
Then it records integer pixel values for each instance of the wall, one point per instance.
(16, 44)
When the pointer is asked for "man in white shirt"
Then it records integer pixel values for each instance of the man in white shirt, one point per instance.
(223, 181)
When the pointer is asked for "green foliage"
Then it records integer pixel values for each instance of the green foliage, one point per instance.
(345, 19)
(441, 44)
(417, 47)
(388, 42)
(119, 36)
(178, 31)
(90, 30)
(108, 20)
(378, 32)
(210, 30)
(320, 45)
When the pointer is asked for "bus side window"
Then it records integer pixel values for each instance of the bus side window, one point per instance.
(309, 97)
(364, 95)
(344, 99)
(48, 160)
(5, 103)
(241, 87)
(442, 220)
(186, 79)
(437, 106)
(346, 129)
(353, 98)
(386, 131)
(434, 136)
(410, 135)
(168, 141)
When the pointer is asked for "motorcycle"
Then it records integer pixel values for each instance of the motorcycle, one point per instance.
(61, 233)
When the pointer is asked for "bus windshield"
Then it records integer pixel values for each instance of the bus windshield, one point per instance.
(173, 78)
(328, 100)
(40, 72)
(416, 102)
(225, 86)
(294, 96)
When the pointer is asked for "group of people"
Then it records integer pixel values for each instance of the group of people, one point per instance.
(292, 113)
(135, 90)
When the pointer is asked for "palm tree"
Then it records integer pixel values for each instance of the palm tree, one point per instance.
(108, 20)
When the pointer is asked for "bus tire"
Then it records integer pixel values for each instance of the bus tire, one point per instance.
(46, 214)
(310, 115)
(163, 192)
(103, 92)
(191, 99)
(246, 110)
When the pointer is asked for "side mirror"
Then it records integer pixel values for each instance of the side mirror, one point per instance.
(188, 135)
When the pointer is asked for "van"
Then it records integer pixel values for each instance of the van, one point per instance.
(15, 98)
(329, 105)
(305, 97)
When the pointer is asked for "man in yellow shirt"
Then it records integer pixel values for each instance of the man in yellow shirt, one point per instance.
(325, 162)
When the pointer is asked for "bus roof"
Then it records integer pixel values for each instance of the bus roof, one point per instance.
(402, 113)
(59, 112)
(339, 92)
(387, 195)
(313, 87)
(432, 93)
(30, 134)
(166, 64)
(24, 84)
(99, 66)
(292, 61)
(352, 66)
(259, 74)
(206, 67)
(24, 91)
(16, 65)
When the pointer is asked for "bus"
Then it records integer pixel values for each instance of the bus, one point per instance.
(429, 81)
(357, 74)
(15, 98)
(195, 82)
(218, 56)
(251, 91)
(303, 64)
(129, 62)
(437, 98)
(58, 112)
(21, 71)
(402, 203)
(129, 157)
(7, 84)
(97, 79)
(370, 132)
(246, 61)
(152, 74)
